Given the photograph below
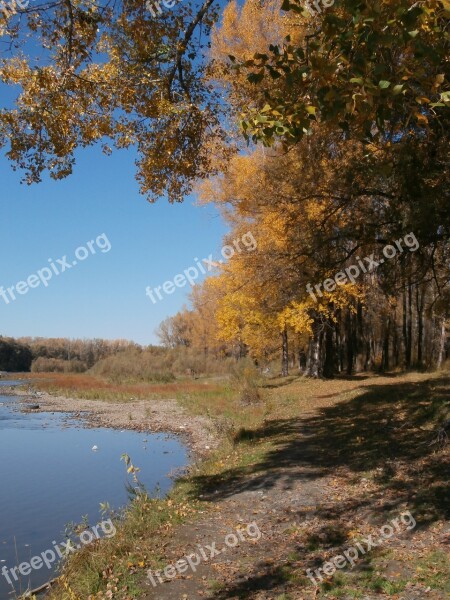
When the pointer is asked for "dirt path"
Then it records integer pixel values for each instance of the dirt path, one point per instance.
(334, 476)
(265, 509)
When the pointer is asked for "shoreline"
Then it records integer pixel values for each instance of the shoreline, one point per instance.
(145, 416)
(319, 454)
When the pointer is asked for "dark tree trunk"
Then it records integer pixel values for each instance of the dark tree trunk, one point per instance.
(407, 324)
(385, 356)
(359, 337)
(410, 320)
(406, 329)
(395, 340)
(328, 367)
(350, 343)
(419, 308)
(284, 353)
(338, 346)
(302, 359)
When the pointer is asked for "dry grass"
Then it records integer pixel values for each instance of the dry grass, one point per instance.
(95, 388)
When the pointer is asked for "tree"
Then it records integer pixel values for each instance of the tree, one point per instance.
(338, 195)
(175, 331)
(317, 211)
(116, 75)
(14, 356)
(113, 74)
(374, 70)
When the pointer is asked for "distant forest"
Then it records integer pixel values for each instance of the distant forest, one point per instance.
(56, 354)
(119, 361)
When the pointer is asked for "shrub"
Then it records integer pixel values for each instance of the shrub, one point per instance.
(134, 365)
(160, 365)
(58, 365)
(246, 380)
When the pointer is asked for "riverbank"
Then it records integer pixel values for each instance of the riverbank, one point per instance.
(318, 467)
(152, 416)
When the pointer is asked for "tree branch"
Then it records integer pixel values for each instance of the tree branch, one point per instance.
(183, 46)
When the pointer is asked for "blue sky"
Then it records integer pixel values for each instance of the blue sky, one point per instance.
(103, 296)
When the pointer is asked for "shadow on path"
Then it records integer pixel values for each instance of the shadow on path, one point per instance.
(383, 433)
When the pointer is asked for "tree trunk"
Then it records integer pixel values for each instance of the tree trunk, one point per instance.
(441, 354)
(350, 343)
(419, 307)
(284, 353)
(385, 355)
(406, 327)
(328, 367)
(302, 359)
(338, 345)
(410, 321)
(313, 362)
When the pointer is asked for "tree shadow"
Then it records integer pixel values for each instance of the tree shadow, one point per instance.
(358, 376)
(268, 577)
(383, 434)
(279, 382)
(381, 429)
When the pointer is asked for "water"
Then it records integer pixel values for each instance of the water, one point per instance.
(50, 476)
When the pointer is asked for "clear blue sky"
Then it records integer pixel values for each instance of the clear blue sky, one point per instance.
(103, 296)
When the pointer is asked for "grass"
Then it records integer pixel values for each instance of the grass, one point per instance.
(358, 423)
(90, 387)
(433, 570)
(120, 563)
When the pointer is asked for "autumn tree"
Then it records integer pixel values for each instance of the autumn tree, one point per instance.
(175, 331)
(374, 70)
(341, 193)
(113, 74)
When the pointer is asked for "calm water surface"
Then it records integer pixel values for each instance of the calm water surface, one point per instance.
(49, 477)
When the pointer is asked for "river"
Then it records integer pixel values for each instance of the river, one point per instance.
(50, 476)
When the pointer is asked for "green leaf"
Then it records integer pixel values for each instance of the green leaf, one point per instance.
(358, 80)
(273, 72)
(397, 89)
(256, 77)
(383, 84)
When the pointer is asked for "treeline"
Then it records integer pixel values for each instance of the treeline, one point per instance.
(352, 223)
(61, 355)
(118, 361)
(395, 316)
(14, 356)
